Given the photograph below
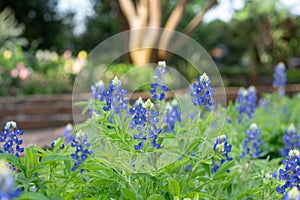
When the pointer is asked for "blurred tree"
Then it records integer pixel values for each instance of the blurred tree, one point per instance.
(104, 23)
(45, 27)
(148, 14)
(261, 31)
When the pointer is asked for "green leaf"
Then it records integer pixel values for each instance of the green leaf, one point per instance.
(154, 179)
(13, 160)
(199, 195)
(155, 197)
(174, 188)
(128, 194)
(54, 158)
(32, 196)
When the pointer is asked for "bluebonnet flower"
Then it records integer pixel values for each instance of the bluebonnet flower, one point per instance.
(202, 93)
(98, 91)
(115, 97)
(68, 133)
(293, 194)
(280, 78)
(82, 150)
(246, 102)
(264, 103)
(253, 143)
(158, 84)
(290, 173)
(221, 147)
(10, 138)
(145, 119)
(173, 115)
(291, 140)
(7, 183)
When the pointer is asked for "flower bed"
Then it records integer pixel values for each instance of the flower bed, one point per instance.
(163, 150)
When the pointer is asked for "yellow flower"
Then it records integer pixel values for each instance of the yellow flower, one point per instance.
(82, 54)
(7, 54)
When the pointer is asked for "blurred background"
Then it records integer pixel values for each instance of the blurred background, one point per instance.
(45, 43)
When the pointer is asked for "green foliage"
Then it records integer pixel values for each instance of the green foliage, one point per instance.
(117, 171)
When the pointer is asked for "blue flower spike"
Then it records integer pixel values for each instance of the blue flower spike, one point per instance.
(202, 93)
(7, 186)
(246, 102)
(158, 88)
(98, 91)
(280, 79)
(144, 120)
(115, 97)
(68, 133)
(12, 144)
(289, 173)
(173, 115)
(82, 150)
(253, 142)
(291, 140)
(223, 148)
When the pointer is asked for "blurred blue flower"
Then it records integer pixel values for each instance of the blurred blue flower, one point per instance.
(290, 173)
(202, 93)
(293, 194)
(158, 88)
(144, 120)
(221, 147)
(98, 91)
(253, 143)
(82, 150)
(7, 183)
(291, 140)
(68, 130)
(10, 138)
(280, 78)
(246, 102)
(172, 115)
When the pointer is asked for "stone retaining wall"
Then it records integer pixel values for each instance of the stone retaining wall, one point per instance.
(42, 111)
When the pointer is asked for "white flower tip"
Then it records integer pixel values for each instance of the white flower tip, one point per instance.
(162, 64)
(293, 153)
(80, 134)
(140, 101)
(100, 83)
(222, 138)
(5, 170)
(116, 81)
(252, 88)
(69, 126)
(281, 65)
(291, 128)
(148, 104)
(204, 78)
(10, 125)
(293, 193)
(253, 127)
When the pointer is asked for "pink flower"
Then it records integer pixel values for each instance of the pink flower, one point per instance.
(24, 73)
(67, 54)
(20, 71)
(14, 73)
